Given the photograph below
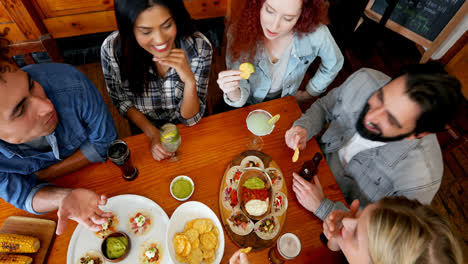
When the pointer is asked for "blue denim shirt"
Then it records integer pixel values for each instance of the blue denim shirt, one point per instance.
(305, 49)
(84, 123)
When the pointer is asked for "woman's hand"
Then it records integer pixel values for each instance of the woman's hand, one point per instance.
(229, 83)
(332, 225)
(157, 150)
(177, 59)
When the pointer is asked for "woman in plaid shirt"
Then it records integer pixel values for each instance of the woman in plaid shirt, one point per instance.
(156, 66)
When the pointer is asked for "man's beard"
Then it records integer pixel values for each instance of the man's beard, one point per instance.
(367, 134)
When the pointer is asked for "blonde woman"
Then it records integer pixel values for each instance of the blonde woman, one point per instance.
(393, 230)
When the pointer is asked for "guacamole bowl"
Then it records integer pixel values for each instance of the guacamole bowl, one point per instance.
(182, 188)
(112, 247)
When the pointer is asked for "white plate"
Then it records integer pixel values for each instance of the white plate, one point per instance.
(185, 213)
(84, 240)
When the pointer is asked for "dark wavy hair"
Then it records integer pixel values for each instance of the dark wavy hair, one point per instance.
(436, 92)
(246, 32)
(134, 61)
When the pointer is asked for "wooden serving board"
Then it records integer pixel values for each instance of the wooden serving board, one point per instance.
(43, 229)
(250, 240)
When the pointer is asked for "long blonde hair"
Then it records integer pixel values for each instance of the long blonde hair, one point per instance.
(406, 232)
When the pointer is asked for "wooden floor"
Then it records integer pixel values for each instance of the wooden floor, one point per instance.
(387, 53)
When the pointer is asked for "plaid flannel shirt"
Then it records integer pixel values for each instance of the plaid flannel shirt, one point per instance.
(161, 102)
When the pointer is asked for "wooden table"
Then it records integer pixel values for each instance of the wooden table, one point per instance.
(206, 150)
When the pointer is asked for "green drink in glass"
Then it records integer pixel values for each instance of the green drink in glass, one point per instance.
(260, 123)
(170, 139)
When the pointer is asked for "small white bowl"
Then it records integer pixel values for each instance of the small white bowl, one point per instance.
(185, 178)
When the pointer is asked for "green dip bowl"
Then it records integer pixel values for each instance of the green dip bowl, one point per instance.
(176, 188)
(104, 247)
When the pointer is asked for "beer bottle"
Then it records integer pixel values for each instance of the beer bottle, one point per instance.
(310, 167)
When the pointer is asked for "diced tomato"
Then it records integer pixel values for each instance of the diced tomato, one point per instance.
(244, 225)
(138, 214)
(234, 198)
(132, 220)
(237, 176)
(279, 201)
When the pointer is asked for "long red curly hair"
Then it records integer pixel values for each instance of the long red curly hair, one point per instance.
(245, 31)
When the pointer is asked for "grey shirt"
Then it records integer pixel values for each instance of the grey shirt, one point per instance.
(411, 168)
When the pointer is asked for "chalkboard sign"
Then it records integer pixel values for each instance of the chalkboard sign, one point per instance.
(427, 18)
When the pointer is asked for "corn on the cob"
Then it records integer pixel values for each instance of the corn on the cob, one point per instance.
(14, 243)
(15, 259)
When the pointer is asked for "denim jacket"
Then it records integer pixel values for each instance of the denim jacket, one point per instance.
(411, 168)
(84, 123)
(304, 51)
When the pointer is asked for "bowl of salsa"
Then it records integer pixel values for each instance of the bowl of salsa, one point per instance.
(182, 188)
(254, 193)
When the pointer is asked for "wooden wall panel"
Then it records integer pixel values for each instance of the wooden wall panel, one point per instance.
(4, 16)
(67, 26)
(14, 33)
(200, 9)
(54, 8)
(24, 15)
(458, 66)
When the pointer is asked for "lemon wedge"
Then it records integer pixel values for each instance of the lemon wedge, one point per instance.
(295, 157)
(273, 120)
(170, 134)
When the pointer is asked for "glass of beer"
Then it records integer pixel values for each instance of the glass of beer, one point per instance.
(287, 247)
(119, 153)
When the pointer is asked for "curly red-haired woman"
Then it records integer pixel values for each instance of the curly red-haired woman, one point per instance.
(281, 39)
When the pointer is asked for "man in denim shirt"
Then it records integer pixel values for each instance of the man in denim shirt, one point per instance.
(381, 139)
(53, 121)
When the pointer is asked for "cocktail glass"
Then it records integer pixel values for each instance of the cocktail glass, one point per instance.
(170, 140)
(257, 123)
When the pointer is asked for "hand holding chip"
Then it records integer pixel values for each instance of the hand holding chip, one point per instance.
(240, 257)
(296, 137)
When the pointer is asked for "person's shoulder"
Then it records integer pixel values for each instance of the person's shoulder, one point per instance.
(109, 39)
(368, 76)
(376, 75)
(57, 78)
(362, 83)
(318, 33)
(108, 43)
(47, 69)
(201, 43)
